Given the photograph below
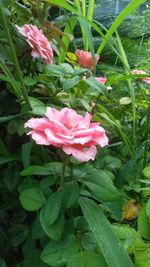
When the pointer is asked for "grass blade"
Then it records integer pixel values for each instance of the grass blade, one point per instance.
(126, 11)
(110, 246)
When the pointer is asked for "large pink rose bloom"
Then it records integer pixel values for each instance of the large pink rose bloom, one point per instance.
(76, 135)
(85, 59)
(143, 79)
(41, 48)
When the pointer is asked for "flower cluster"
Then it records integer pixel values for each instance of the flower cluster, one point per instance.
(75, 134)
(41, 48)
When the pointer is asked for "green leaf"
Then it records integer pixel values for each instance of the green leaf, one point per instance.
(26, 150)
(6, 160)
(147, 208)
(127, 235)
(2, 263)
(32, 199)
(58, 253)
(146, 172)
(52, 207)
(143, 223)
(95, 84)
(70, 83)
(55, 230)
(70, 194)
(142, 256)
(88, 242)
(38, 107)
(110, 246)
(101, 185)
(11, 177)
(36, 170)
(125, 100)
(55, 69)
(53, 168)
(30, 81)
(8, 118)
(112, 162)
(87, 259)
(37, 231)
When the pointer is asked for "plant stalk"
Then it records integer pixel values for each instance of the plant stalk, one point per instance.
(14, 58)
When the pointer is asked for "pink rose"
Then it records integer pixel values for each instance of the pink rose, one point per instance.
(144, 79)
(41, 48)
(85, 59)
(103, 80)
(75, 134)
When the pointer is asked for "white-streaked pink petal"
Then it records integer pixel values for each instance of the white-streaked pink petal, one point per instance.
(81, 153)
(40, 138)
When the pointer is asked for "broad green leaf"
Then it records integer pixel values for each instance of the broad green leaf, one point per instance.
(70, 194)
(58, 253)
(30, 81)
(88, 242)
(87, 259)
(18, 234)
(32, 199)
(142, 256)
(146, 172)
(95, 85)
(101, 185)
(52, 207)
(55, 230)
(112, 162)
(143, 223)
(25, 151)
(110, 246)
(55, 69)
(54, 168)
(36, 170)
(67, 68)
(70, 83)
(125, 100)
(127, 235)
(37, 231)
(11, 176)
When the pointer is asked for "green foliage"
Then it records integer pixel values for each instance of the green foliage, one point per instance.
(55, 210)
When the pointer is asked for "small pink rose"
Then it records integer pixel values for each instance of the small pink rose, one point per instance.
(41, 48)
(102, 80)
(143, 79)
(75, 134)
(84, 59)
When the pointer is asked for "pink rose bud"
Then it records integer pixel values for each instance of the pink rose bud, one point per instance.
(75, 134)
(41, 48)
(143, 79)
(102, 80)
(85, 59)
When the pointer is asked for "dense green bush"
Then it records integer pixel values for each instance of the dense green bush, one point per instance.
(56, 210)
